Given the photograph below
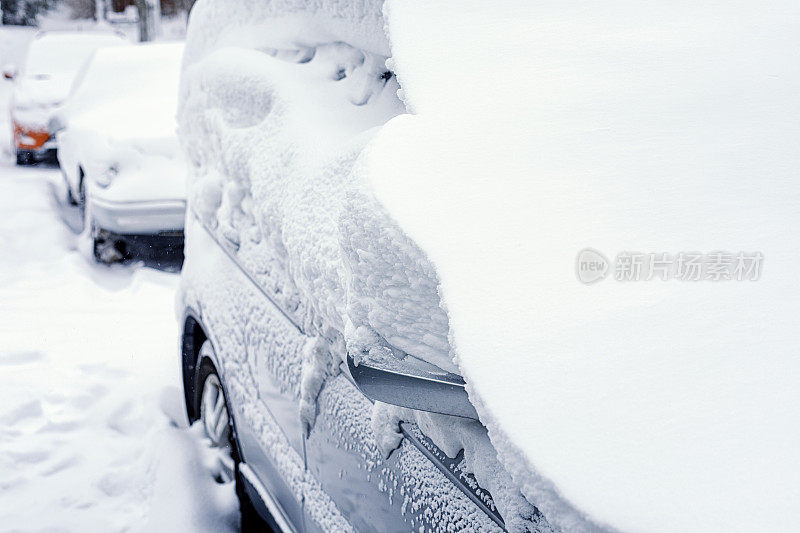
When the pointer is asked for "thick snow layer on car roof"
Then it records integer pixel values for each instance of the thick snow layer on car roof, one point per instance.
(542, 129)
(283, 24)
(129, 93)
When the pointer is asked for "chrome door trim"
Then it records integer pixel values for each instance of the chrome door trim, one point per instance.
(249, 276)
(452, 471)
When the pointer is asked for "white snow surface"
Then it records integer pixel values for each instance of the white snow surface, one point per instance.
(285, 24)
(92, 399)
(540, 129)
(91, 405)
(129, 93)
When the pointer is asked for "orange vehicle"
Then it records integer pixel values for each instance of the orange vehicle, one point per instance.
(53, 61)
(31, 143)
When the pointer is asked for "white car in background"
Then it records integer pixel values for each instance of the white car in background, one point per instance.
(119, 151)
(53, 61)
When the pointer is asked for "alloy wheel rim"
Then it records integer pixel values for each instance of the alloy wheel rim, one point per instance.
(216, 424)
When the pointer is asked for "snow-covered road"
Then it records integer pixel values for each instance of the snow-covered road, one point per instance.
(92, 429)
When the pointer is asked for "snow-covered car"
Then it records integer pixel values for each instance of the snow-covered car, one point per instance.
(387, 324)
(306, 310)
(52, 62)
(119, 153)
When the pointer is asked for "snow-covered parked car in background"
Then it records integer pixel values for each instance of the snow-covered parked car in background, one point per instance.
(119, 151)
(383, 329)
(53, 61)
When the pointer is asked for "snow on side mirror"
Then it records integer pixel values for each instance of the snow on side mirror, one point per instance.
(412, 386)
(10, 71)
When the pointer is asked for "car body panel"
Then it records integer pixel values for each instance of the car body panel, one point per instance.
(337, 478)
(402, 493)
(138, 218)
(270, 445)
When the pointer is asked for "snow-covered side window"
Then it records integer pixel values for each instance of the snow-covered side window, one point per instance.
(393, 289)
(226, 114)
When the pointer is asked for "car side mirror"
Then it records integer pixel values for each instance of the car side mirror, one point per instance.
(56, 124)
(10, 71)
(412, 383)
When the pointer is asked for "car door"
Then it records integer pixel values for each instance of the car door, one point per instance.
(257, 347)
(409, 490)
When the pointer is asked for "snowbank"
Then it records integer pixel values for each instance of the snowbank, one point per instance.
(541, 130)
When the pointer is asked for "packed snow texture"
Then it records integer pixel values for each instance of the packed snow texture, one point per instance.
(91, 406)
(534, 131)
(540, 129)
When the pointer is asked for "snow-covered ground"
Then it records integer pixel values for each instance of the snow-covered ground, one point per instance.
(92, 428)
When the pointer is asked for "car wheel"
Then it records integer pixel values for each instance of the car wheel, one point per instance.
(105, 250)
(24, 158)
(69, 196)
(82, 200)
(88, 223)
(216, 423)
(214, 415)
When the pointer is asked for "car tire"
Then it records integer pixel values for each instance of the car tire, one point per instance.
(24, 158)
(69, 196)
(250, 520)
(88, 223)
(106, 251)
(207, 378)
